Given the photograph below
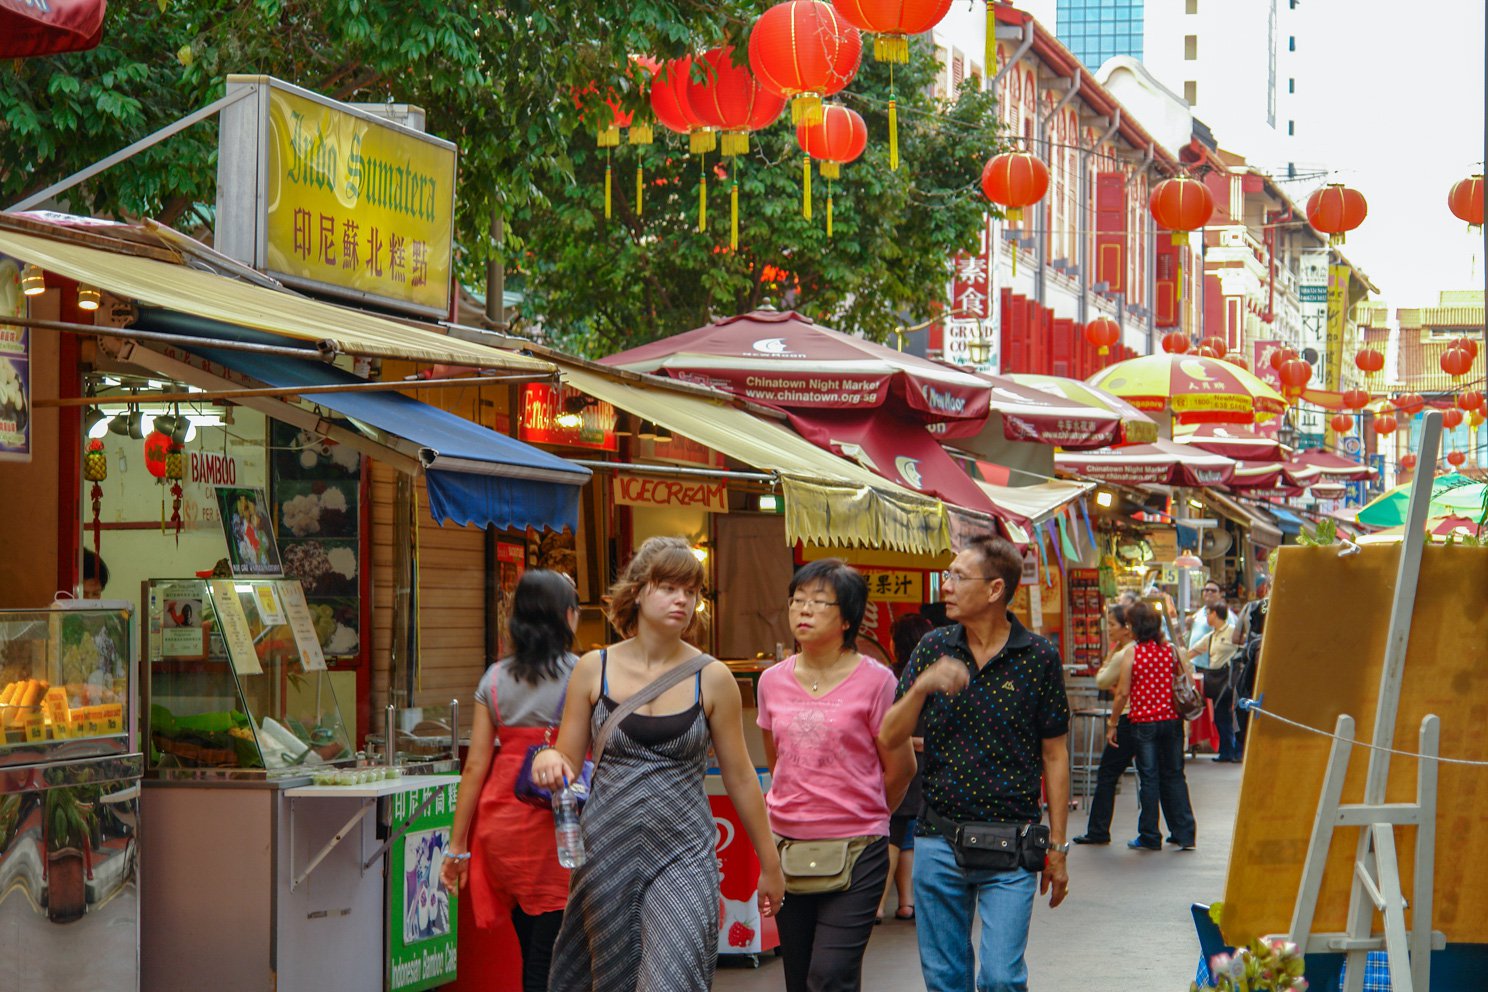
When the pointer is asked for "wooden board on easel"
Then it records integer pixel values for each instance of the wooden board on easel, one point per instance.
(1323, 656)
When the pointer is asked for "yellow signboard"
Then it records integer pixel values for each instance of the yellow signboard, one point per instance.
(895, 585)
(1338, 279)
(352, 204)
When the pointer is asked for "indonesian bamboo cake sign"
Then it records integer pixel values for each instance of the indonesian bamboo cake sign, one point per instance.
(1322, 657)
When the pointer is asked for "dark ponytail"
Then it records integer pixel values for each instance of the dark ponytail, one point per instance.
(539, 624)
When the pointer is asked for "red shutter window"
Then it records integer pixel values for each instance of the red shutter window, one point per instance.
(1110, 230)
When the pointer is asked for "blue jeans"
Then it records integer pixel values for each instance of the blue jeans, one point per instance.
(946, 897)
(1224, 722)
(1160, 782)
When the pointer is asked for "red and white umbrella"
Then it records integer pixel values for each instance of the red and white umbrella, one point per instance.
(1159, 462)
(1327, 490)
(49, 27)
(1195, 390)
(1023, 411)
(1136, 426)
(785, 360)
(1230, 440)
(1256, 475)
(1334, 467)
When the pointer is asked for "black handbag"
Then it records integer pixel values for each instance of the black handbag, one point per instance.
(994, 846)
(1216, 681)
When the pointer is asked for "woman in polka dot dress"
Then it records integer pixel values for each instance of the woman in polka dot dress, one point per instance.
(1157, 733)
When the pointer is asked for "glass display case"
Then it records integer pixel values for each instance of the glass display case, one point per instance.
(236, 679)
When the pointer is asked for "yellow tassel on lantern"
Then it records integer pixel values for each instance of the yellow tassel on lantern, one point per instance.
(891, 48)
(702, 141)
(893, 134)
(640, 188)
(734, 215)
(639, 134)
(608, 137)
(607, 191)
(829, 211)
(1178, 283)
(806, 108)
(806, 187)
(703, 203)
(989, 52)
(734, 143)
(831, 170)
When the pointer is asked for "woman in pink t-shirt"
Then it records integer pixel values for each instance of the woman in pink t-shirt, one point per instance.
(820, 711)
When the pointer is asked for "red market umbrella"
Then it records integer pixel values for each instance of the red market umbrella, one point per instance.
(1327, 490)
(49, 27)
(1135, 426)
(1230, 440)
(897, 449)
(1335, 468)
(1195, 390)
(1256, 475)
(1019, 411)
(785, 360)
(1161, 462)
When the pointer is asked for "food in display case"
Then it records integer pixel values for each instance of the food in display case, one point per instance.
(64, 675)
(258, 697)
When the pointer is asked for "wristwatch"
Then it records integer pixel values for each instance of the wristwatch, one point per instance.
(1061, 848)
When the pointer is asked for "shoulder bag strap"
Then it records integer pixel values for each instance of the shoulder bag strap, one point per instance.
(660, 684)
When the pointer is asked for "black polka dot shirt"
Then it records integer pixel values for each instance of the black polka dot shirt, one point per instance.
(984, 746)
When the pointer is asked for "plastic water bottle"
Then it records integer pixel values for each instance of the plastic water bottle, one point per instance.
(566, 827)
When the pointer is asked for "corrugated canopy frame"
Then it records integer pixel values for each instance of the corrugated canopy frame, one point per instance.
(232, 301)
(829, 500)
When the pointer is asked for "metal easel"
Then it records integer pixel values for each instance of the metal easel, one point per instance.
(1376, 876)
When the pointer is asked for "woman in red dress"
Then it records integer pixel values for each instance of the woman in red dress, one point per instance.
(501, 850)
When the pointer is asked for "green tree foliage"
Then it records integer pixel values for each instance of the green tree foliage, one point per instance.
(599, 286)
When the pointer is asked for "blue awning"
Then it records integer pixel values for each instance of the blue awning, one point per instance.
(1288, 521)
(474, 475)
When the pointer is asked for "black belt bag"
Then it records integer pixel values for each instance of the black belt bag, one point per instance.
(994, 846)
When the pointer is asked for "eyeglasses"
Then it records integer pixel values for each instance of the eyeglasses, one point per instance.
(949, 577)
(797, 603)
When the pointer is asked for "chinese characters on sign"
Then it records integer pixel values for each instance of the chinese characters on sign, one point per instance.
(894, 585)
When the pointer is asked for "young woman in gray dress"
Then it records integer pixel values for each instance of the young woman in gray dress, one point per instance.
(643, 908)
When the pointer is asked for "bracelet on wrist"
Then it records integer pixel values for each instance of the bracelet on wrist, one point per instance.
(456, 857)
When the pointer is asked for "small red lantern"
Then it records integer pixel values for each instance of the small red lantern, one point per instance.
(1475, 419)
(1470, 345)
(1456, 362)
(1181, 204)
(1466, 200)
(1014, 180)
(1295, 375)
(1469, 400)
(838, 138)
(803, 51)
(1369, 361)
(1409, 403)
(1452, 418)
(1356, 399)
(1385, 424)
(1456, 458)
(1335, 210)
(1206, 350)
(1215, 344)
(157, 446)
(1103, 332)
(1175, 342)
(1281, 356)
(1342, 423)
(1407, 461)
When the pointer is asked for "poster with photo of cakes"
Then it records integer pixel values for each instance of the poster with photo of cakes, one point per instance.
(317, 506)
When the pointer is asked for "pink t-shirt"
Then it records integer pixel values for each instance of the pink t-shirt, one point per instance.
(828, 780)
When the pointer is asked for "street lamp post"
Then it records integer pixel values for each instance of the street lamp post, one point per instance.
(978, 349)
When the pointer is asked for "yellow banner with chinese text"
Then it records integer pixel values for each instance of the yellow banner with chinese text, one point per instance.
(357, 206)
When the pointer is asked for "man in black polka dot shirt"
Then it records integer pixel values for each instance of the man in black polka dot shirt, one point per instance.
(996, 726)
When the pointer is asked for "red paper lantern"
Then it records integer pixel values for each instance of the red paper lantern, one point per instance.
(731, 100)
(1456, 458)
(1469, 400)
(1409, 403)
(1369, 361)
(802, 50)
(838, 138)
(157, 446)
(1407, 461)
(1181, 204)
(1452, 418)
(1356, 399)
(1175, 343)
(1281, 356)
(892, 22)
(1103, 332)
(1215, 344)
(1466, 200)
(670, 104)
(1295, 375)
(1470, 345)
(1335, 210)
(1475, 419)
(1014, 180)
(1456, 362)
(1342, 423)
(1385, 424)
(1207, 351)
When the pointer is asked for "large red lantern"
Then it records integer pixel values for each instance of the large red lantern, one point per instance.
(1341, 423)
(157, 446)
(1452, 418)
(1014, 180)
(1385, 424)
(838, 138)
(1456, 362)
(1356, 399)
(1295, 375)
(731, 100)
(1175, 343)
(1409, 404)
(1103, 332)
(1335, 210)
(1181, 204)
(803, 51)
(1369, 361)
(1281, 356)
(1467, 344)
(892, 22)
(670, 104)
(1466, 200)
(1456, 458)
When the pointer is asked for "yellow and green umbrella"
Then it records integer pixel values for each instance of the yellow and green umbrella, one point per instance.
(1194, 390)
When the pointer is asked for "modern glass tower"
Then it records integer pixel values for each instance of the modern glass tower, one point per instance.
(1096, 30)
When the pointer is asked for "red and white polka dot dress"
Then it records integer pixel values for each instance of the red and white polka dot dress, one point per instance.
(1152, 683)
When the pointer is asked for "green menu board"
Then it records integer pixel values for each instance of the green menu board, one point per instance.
(421, 914)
